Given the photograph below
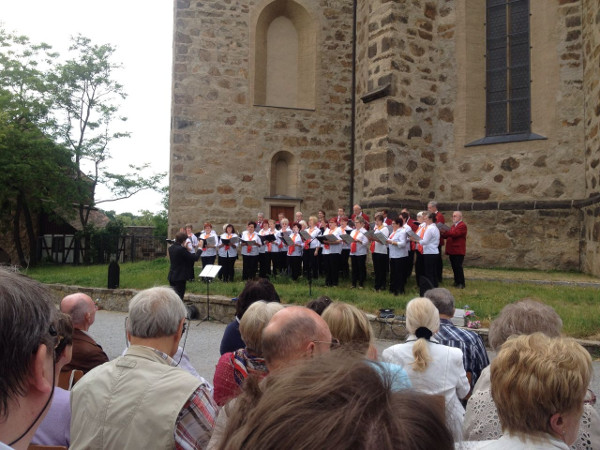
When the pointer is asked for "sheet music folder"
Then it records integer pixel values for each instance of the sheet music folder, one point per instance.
(210, 271)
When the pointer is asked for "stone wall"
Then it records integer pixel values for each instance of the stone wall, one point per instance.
(222, 146)
(591, 87)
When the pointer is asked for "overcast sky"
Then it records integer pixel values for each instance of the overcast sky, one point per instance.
(142, 32)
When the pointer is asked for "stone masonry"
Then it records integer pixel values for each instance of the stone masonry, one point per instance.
(419, 100)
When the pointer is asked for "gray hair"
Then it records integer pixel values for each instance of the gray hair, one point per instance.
(26, 314)
(443, 300)
(155, 313)
(253, 322)
(432, 203)
(526, 316)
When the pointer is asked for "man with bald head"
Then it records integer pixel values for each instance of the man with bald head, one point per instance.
(294, 333)
(87, 354)
(456, 247)
(358, 212)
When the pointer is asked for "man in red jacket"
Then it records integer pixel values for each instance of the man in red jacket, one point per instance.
(456, 246)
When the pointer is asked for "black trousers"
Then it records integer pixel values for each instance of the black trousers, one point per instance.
(227, 271)
(398, 274)
(418, 267)
(440, 266)
(429, 279)
(332, 268)
(263, 265)
(206, 260)
(344, 267)
(457, 267)
(411, 262)
(179, 287)
(249, 266)
(380, 266)
(295, 266)
(310, 267)
(359, 269)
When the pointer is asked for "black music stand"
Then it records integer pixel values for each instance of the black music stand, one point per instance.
(207, 275)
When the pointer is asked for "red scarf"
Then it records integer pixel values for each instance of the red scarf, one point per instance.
(227, 246)
(421, 233)
(291, 247)
(373, 243)
(353, 245)
(249, 247)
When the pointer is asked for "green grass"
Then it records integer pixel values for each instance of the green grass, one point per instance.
(579, 307)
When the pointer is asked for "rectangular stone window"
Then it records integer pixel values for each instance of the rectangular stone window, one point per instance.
(508, 80)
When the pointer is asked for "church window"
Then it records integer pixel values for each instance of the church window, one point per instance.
(508, 85)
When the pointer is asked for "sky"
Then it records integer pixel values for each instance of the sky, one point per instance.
(142, 32)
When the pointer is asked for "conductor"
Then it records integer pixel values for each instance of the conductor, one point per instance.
(181, 260)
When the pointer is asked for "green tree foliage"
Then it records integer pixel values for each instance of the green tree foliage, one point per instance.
(87, 98)
(37, 174)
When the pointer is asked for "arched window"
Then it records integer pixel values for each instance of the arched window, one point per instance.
(284, 175)
(284, 56)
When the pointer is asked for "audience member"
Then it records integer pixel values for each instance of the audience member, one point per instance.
(254, 290)
(538, 385)
(234, 367)
(475, 357)
(526, 316)
(432, 368)
(142, 399)
(351, 327)
(28, 335)
(334, 403)
(56, 426)
(320, 304)
(87, 353)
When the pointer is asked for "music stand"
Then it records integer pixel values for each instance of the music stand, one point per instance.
(207, 275)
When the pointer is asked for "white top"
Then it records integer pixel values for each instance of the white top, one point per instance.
(282, 245)
(399, 246)
(346, 246)
(263, 232)
(231, 252)
(516, 443)
(297, 249)
(250, 237)
(314, 243)
(380, 248)
(363, 243)
(209, 251)
(431, 240)
(194, 242)
(445, 375)
(333, 248)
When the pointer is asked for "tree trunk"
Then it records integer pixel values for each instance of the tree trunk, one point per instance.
(30, 234)
(17, 232)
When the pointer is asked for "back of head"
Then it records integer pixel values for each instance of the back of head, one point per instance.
(350, 326)
(334, 402)
(254, 290)
(289, 332)
(320, 304)
(255, 319)
(443, 300)
(78, 306)
(64, 330)
(422, 320)
(155, 313)
(180, 237)
(26, 319)
(526, 316)
(535, 376)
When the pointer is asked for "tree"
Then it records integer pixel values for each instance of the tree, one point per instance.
(87, 97)
(37, 173)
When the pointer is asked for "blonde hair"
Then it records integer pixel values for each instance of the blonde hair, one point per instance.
(421, 312)
(256, 318)
(535, 376)
(349, 325)
(313, 219)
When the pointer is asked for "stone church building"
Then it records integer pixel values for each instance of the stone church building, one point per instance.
(491, 107)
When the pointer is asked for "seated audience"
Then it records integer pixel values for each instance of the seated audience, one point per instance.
(475, 357)
(55, 428)
(335, 402)
(87, 353)
(142, 399)
(234, 367)
(261, 289)
(28, 335)
(351, 327)
(526, 316)
(432, 368)
(538, 386)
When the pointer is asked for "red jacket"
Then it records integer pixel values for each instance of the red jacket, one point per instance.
(367, 226)
(456, 239)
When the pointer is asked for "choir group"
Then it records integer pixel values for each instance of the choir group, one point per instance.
(322, 247)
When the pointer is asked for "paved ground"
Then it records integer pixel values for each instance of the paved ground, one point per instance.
(203, 342)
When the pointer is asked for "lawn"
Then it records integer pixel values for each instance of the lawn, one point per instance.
(488, 290)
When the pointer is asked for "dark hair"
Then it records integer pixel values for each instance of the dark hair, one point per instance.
(26, 317)
(398, 220)
(207, 224)
(232, 228)
(64, 330)
(180, 237)
(251, 222)
(318, 305)
(379, 217)
(405, 215)
(432, 217)
(260, 289)
(336, 402)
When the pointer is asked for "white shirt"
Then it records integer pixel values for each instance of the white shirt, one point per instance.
(431, 240)
(363, 243)
(231, 252)
(380, 248)
(209, 251)
(246, 236)
(399, 246)
(333, 248)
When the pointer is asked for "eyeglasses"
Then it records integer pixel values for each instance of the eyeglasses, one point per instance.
(590, 398)
(184, 327)
(334, 343)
